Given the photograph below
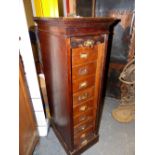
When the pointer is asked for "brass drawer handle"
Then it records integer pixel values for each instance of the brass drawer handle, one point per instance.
(88, 43)
(83, 135)
(83, 108)
(83, 71)
(83, 55)
(83, 85)
(83, 127)
(83, 96)
(84, 142)
(82, 118)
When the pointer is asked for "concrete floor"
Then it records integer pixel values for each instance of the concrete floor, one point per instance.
(115, 138)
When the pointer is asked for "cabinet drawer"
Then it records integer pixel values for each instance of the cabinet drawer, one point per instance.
(84, 117)
(87, 41)
(83, 95)
(83, 83)
(84, 107)
(83, 139)
(83, 135)
(83, 70)
(84, 126)
(83, 55)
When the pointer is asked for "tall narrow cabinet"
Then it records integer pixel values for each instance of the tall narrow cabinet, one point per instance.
(74, 54)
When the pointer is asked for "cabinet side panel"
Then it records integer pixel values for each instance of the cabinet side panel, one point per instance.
(57, 76)
(100, 80)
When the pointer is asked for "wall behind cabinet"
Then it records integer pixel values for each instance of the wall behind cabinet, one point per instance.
(122, 9)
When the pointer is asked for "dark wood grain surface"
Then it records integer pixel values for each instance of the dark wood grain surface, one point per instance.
(57, 72)
(81, 55)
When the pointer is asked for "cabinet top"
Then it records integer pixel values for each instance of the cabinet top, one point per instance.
(75, 21)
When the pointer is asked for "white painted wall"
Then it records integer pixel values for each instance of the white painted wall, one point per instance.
(31, 75)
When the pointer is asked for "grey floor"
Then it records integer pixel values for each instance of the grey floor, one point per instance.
(115, 138)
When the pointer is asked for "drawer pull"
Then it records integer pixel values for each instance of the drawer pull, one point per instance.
(83, 127)
(83, 85)
(83, 71)
(83, 55)
(83, 135)
(88, 43)
(83, 108)
(82, 118)
(83, 96)
(84, 142)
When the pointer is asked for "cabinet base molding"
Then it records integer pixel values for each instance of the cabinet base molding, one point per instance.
(77, 151)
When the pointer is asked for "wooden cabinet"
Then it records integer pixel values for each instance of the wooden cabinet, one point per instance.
(28, 134)
(74, 55)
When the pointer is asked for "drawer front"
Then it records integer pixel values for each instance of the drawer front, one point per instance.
(83, 108)
(83, 141)
(83, 55)
(83, 95)
(87, 41)
(83, 70)
(80, 139)
(83, 127)
(83, 137)
(83, 134)
(83, 83)
(84, 117)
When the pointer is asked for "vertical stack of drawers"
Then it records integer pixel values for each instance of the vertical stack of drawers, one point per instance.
(74, 53)
(84, 62)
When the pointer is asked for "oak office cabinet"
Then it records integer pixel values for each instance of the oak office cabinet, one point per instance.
(74, 54)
